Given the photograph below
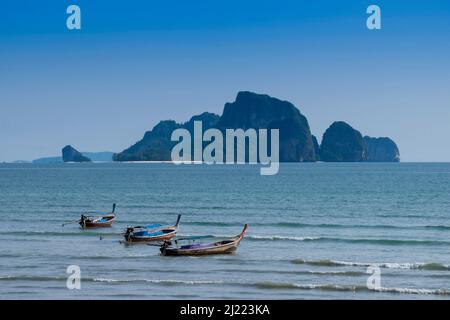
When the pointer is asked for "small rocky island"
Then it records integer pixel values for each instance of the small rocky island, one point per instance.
(381, 150)
(342, 143)
(70, 154)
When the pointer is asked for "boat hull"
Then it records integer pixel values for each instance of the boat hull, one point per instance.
(163, 237)
(222, 247)
(97, 225)
(198, 252)
(93, 224)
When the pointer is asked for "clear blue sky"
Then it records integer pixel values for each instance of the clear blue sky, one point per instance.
(137, 62)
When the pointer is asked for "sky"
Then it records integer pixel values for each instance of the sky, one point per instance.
(134, 63)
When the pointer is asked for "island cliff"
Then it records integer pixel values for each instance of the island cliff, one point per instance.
(381, 150)
(70, 154)
(342, 143)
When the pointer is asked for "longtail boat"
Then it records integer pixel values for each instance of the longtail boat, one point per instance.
(89, 222)
(151, 232)
(172, 248)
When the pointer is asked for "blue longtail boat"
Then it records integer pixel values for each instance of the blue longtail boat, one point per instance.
(151, 232)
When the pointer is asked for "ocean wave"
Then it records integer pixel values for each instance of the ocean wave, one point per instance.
(213, 224)
(257, 237)
(413, 291)
(260, 285)
(288, 285)
(131, 256)
(350, 288)
(30, 278)
(160, 281)
(336, 263)
(355, 226)
(292, 238)
(281, 285)
(392, 242)
(60, 234)
(437, 227)
(297, 272)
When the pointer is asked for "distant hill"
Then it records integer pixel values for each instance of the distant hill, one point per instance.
(48, 160)
(105, 156)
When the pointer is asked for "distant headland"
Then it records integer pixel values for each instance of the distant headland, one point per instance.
(104, 156)
(340, 142)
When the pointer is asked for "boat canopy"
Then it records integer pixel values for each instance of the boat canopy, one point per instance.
(195, 237)
(152, 226)
(148, 234)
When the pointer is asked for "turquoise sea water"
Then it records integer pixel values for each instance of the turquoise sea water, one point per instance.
(314, 230)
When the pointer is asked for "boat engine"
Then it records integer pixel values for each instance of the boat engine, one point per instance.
(82, 220)
(128, 233)
(164, 245)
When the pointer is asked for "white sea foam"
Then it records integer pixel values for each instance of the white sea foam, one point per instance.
(254, 237)
(393, 265)
(413, 291)
(161, 281)
(351, 288)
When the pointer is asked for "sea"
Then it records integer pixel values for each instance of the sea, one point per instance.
(316, 231)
